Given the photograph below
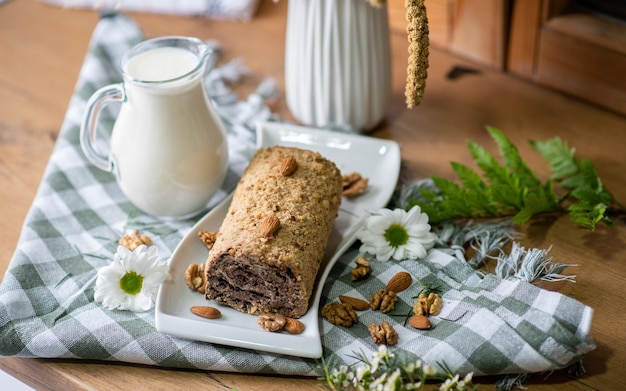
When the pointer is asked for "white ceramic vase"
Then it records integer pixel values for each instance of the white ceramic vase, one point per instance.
(337, 63)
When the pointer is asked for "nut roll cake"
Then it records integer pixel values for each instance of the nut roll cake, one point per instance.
(271, 243)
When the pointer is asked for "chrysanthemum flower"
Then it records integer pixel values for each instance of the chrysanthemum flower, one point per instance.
(397, 234)
(132, 280)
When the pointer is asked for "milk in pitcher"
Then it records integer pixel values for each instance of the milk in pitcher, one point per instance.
(167, 149)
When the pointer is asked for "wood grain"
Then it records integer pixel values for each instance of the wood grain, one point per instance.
(569, 49)
(588, 50)
(439, 20)
(47, 47)
(479, 30)
(524, 37)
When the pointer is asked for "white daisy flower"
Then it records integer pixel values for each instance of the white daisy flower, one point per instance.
(132, 280)
(397, 234)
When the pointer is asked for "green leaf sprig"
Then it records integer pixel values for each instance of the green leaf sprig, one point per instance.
(512, 189)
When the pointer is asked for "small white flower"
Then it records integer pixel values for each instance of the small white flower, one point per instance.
(414, 386)
(429, 370)
(379, 382)
(132, 280)
(397, 234)
(450, 384)
(362, 372)
(394, 380)
(381, 353)
(374, 364)
(446, 386)
(343, 369)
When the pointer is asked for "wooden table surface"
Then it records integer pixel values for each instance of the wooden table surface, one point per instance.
(42, 51)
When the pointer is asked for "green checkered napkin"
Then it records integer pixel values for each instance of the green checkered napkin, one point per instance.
(487, 326)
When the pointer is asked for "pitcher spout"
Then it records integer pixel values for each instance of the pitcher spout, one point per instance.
(166, 61)
(206, 56)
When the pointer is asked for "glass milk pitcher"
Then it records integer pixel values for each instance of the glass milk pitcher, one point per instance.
(168, 147)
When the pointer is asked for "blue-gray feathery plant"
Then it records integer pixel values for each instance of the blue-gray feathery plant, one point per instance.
(530, 265)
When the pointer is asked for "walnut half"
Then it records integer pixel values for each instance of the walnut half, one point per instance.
(133, 240)
(341, 314)
(276, 322)
(195, 277)
(383, 334)
(208, 238)
(427, 305)
(353, 184)
(361, 270)
(272, 322)
(383, 300)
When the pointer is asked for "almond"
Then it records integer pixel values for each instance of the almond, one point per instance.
(357, 304)
(269, 226)
(287, 166)
(399, 282)
(206, 311)
(294, 326)
(419, 322)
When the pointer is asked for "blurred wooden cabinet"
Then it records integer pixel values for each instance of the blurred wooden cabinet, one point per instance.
(475, 29)
(574, 46)
(578, 47)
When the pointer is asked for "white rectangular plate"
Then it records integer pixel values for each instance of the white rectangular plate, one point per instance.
(376, 159)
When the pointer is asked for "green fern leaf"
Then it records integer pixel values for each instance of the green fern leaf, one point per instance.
(586, 175)
(510, 197)
(469, 178)
(559, 156)
(512, 159)
(494, 172)
(542, 199)
(588, 215)
(480, 203)
(436, 211)
(512, 188)
(447, 187)
(429, 195)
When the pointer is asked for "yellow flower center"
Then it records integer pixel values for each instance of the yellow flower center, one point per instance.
(396, 235)
(131, 283)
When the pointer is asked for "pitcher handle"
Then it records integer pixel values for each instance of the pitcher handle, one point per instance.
(89, 125)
